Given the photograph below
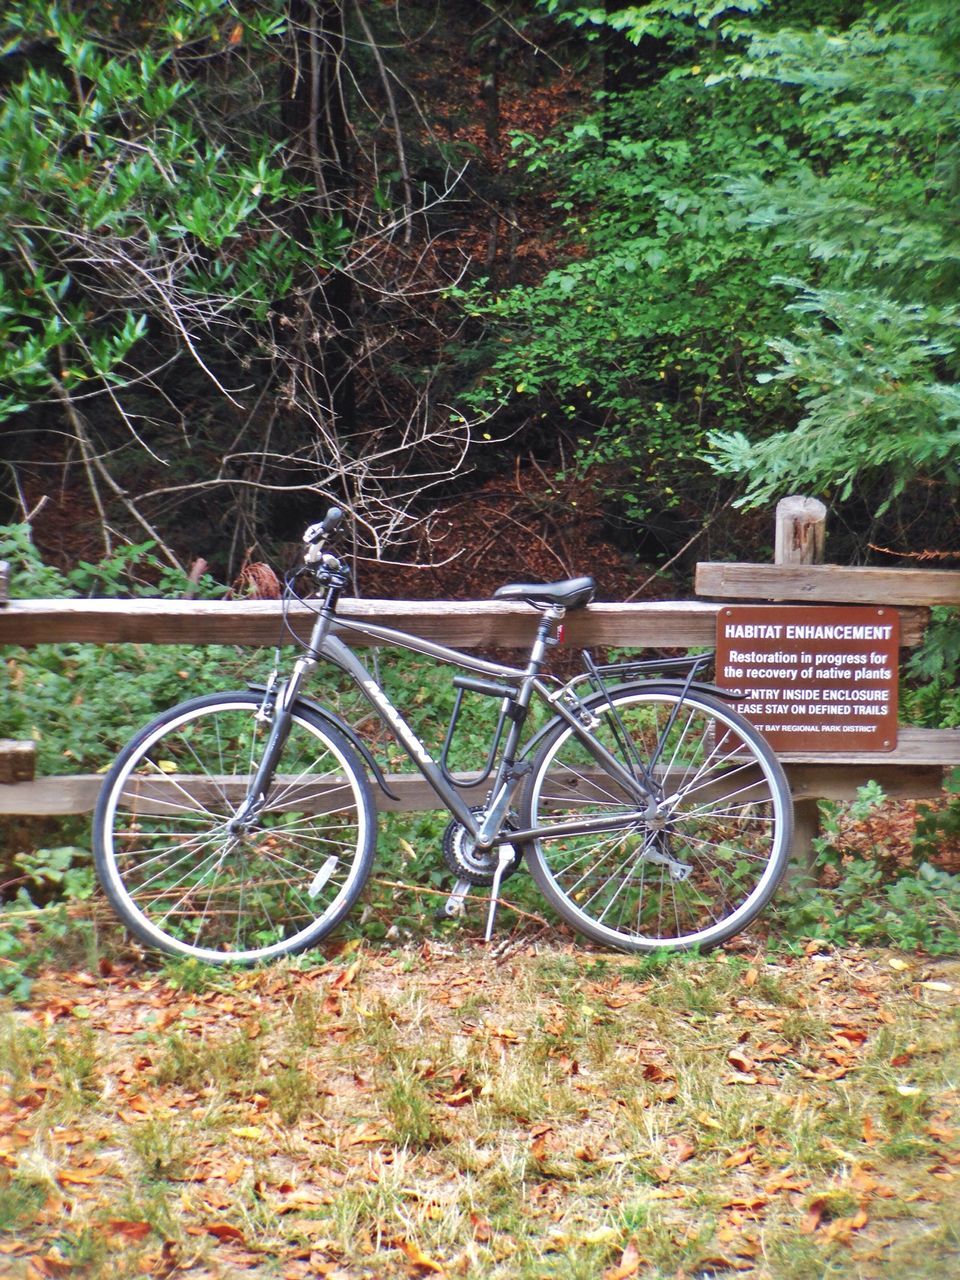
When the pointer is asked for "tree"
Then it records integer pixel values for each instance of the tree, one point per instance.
(655, 327)
(872, 206)
(202, 263)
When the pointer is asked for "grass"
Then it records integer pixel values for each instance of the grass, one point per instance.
(427, 1112)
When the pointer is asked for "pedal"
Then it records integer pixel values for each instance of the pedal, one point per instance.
(505, 859)
(453, 908)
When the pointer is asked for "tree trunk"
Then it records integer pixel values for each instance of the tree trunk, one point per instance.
(314, 117)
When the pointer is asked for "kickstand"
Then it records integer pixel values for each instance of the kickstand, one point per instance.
(506, 858)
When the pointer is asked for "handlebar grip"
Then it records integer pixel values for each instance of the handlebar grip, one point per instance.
(330, 523)
(332, 520)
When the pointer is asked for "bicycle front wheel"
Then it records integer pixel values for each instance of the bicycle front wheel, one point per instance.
(689, 870)
(185, 876)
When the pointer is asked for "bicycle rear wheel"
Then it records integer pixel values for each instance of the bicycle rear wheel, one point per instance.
(698, 870)
(186, 878)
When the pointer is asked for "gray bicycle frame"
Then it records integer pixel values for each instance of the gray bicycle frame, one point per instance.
(325, 644)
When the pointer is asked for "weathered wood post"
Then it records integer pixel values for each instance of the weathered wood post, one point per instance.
(800, 531)
(799, 539)
(17, 759)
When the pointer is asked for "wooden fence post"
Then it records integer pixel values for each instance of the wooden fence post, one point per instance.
(800, 531)
(800, 537)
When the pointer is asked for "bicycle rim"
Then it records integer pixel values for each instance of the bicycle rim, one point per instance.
(700, 869)
(184, 880)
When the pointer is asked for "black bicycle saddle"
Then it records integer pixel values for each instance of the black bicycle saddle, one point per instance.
(571, 593)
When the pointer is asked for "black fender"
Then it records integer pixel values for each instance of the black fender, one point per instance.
(331, 717)
(663, 686)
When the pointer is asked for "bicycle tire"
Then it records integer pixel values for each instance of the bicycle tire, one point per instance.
(699, 872)
(182, 882)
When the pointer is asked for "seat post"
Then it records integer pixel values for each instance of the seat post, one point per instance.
(551, 614)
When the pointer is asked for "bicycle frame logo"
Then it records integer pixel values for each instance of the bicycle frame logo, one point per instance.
(397, 722)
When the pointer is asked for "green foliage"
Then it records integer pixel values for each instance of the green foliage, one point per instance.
(871, 205)
(916, 908)
(931, 697)
(658, 18)
(652, 330)
(119, 215)
(64, 697)
(779, 187)
(32, 938)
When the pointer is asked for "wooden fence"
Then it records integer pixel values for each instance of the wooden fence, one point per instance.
(915, 769)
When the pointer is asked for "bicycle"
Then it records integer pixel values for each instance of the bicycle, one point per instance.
(241, 826)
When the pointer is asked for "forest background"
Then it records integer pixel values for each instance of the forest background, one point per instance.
(532, 289)
(258, 258)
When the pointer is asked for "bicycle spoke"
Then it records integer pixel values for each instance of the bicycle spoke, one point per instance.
(184, 879)
(699, 863)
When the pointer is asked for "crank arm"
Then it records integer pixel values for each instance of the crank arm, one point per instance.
(453, 907)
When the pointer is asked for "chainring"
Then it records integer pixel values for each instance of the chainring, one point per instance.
(467, 863)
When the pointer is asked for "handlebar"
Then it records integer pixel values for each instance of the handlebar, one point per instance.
(314, 539)
(330, 523)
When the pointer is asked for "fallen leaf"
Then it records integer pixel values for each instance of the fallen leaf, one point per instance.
(599, 1235)
(251, 1131)
(740, 1157)
(841, 1228)
(82, 1177)
(128, 1230)
(417, 1258)
(737, 1058)
(223, 1231)
(749, 1204)
(629, 1264)
(482, 1229)
(364, 1133)
(709, 1263)
(681, 1148)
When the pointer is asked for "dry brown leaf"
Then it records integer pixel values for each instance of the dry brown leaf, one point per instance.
(811, 1219)
(364, 1133)
(629, 1264)
(417, 1258)
(482, 1228)
(743, 1156)
(681, 1148)
(128, 1230)
(223, 1231)
(82, 1177)
(737, 1058)
(841, 1228)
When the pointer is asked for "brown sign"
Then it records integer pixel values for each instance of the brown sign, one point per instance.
(822, 679)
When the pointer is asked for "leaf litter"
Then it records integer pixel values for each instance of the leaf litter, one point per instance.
(438, 1112)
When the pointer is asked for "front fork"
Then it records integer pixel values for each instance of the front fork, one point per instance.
(281, 720)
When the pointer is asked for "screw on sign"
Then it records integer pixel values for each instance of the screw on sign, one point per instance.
(823, 679)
